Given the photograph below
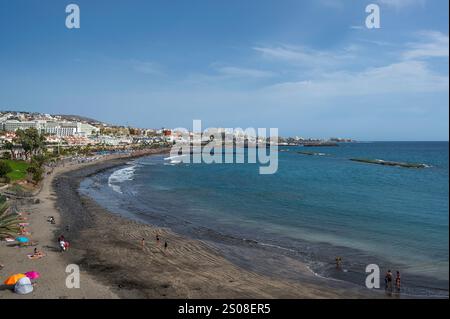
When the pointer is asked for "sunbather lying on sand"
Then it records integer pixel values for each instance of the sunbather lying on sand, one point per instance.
(35, 257)
(37, 254)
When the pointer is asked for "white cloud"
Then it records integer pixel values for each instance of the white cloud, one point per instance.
(335, 4)
(402, 77)
(432, 44)
(400, 4)
(231, 71)
(146, 67)
(304, 56)
(378, 43)
(338, 72)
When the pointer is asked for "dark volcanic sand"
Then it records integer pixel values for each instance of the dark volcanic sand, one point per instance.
(109, 247)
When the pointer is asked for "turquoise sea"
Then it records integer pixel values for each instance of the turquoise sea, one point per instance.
(314, 208)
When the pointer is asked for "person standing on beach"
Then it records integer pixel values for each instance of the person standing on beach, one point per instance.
(388, 280)
(165, 245)
(143, 243)
(398, 281)
(157, 239)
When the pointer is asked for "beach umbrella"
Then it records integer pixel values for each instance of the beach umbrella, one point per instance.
(23, 286)
(11, 280)
(33, 274)
(22, 239)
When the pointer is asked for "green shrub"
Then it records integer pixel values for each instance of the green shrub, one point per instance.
(5, 169)
(6, 155)
(38, 160)
(36, 172)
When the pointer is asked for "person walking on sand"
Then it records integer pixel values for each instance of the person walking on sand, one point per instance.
(165, 245)
(398, 281)
(157, 239)
(143, 243)
(62, 245)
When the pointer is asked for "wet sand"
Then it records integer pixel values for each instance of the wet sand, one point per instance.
(114, 264)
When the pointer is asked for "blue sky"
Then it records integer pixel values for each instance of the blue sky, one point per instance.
(309, 68)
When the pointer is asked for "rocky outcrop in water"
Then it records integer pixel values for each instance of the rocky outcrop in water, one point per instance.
(388, 163)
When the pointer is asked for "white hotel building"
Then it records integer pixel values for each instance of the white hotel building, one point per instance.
(58, 128)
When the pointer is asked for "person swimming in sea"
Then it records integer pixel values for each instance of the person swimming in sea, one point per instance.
(338, 260)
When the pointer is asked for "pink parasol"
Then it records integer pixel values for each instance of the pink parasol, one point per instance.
(32, 274)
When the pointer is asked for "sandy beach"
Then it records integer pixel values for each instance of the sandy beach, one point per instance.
(114, 263)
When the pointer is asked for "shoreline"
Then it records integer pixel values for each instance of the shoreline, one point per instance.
(36, 209)
(107, 248)
(113, 264)
(189, 268)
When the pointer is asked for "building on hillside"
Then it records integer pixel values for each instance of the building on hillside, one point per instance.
(87, 129)
(53, 139)
(13, 125)
(58, 128)
(112, 140)
(77, 140)
(7, 137)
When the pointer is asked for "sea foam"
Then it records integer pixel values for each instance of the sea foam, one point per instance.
(120, 176)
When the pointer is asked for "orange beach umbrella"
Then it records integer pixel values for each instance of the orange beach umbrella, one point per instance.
(13, 279)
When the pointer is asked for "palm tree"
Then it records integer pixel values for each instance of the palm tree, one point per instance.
(9, 222)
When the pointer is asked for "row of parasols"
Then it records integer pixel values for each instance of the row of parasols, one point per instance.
(22, 282)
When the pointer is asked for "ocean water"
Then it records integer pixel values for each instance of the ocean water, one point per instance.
(314, 208)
